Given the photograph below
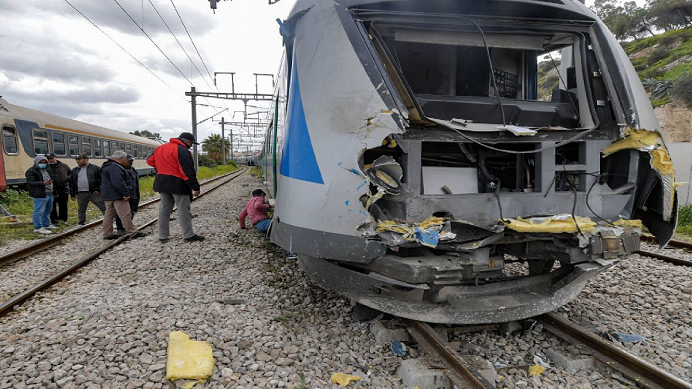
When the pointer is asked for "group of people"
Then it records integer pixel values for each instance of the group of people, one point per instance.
(114, 189)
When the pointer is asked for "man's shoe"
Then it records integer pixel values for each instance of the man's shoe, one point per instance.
(80, 224)
(194, 238)
(112, 237)
(64, 223)
(120, 232)
(163, 240)
(42, 231)
(137, 235)
(51, 227)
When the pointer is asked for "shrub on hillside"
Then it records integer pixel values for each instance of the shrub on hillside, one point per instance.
(682, 90)
(658, 54)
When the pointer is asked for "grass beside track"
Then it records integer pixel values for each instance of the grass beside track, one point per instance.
(20, 203)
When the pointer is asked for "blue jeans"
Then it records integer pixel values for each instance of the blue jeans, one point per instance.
(263, 225)
(42, 209)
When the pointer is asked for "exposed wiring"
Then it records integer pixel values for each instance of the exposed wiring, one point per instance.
(564, 142)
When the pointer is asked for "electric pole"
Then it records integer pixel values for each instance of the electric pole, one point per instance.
(223, 143)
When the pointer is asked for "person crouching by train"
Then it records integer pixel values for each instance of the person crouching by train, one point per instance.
(116, 188)
(134, 195)
(39, 181)
(61, 190)
(176, 182)
(85, 187)
(256, 208)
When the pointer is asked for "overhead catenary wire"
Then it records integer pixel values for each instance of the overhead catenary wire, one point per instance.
(125, 50)
(152, 41)
(191, 40)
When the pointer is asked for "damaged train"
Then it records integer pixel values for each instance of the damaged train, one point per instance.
(421, 167)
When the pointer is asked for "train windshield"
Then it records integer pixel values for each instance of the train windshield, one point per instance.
(489, 75)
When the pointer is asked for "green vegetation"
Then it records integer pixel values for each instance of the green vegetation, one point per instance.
(212, 146)
(684, 227)
(20, 203)
(255, 171)
(285, 316)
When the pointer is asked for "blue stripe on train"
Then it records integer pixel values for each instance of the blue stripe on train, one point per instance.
(298, 160)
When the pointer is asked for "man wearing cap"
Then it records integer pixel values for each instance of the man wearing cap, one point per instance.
(61, 189)
(176, 182)
(85, 187)
(134, 195)
(116, 187)
(256, 208)
(39, 182)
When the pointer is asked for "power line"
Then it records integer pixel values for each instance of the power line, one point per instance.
(179, 44)
(123, 49)
(152, 41)
(193, 42)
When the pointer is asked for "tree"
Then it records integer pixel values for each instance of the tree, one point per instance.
(212, 146)
(148, 134)
(670, 14)
(625, 21)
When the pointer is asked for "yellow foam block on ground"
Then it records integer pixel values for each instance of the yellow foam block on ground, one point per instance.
(344, 379)
(188, 359)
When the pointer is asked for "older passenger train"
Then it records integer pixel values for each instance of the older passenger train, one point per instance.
(417, 170)
(27, 133)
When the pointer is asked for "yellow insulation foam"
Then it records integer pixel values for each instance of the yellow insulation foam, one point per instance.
(551, 225)
(188, 359)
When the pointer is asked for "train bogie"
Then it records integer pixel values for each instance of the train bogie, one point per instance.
(419, 170)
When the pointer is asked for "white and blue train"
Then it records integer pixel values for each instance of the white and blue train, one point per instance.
(417, 170)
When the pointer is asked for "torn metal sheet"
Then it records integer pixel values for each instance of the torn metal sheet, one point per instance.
(563, 223)
(652, 143)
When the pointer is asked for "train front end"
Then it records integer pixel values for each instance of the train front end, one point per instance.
(462, 161)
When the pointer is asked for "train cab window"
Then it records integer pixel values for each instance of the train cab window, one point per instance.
(58, 143)
(86, 145)
(74, 145)
(458, 74)
(97, 147)
(106, 148)
(40, 142)
(9, 141)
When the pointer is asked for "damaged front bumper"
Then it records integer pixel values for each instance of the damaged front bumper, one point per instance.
(491, 303)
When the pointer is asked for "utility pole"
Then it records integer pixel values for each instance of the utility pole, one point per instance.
(194, 125)
(223, 142)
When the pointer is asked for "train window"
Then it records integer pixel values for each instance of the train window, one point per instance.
(135, 151)
(114, 147)
(58, 143)
(106, 148)
(86, 145)
(74, 145)
(9, 140)
(128, 148)
(40, 142)
(97, 147)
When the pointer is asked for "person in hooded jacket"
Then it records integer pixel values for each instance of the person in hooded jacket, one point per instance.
(134, 195)
(116, 189)
(61, 189)
(176, 182)
(256, 209)
(39, 182)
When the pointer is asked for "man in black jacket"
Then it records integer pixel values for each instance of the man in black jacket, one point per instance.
(116, 189)
(134, 195)
(61, 189)
(85, 187)
(39, 182)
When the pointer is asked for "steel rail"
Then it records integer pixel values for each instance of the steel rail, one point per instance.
(633, 367)
(8, 305)
(55, 239)
(462, 375)
(665, 258)
(678, 244)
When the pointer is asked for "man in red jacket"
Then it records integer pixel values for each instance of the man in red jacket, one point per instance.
(176, 182)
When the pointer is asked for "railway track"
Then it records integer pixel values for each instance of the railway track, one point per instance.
(55, 239)
(8, 305)
(667, 258)
(460, 372)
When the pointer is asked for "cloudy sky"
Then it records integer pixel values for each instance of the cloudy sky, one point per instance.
(54, 60)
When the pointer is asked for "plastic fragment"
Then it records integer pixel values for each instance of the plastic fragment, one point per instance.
(536, 370)
(626, 338)
(398, 348)
(188, 359)
(344, 379)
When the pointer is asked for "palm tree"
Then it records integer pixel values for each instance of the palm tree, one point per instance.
(212, 146)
